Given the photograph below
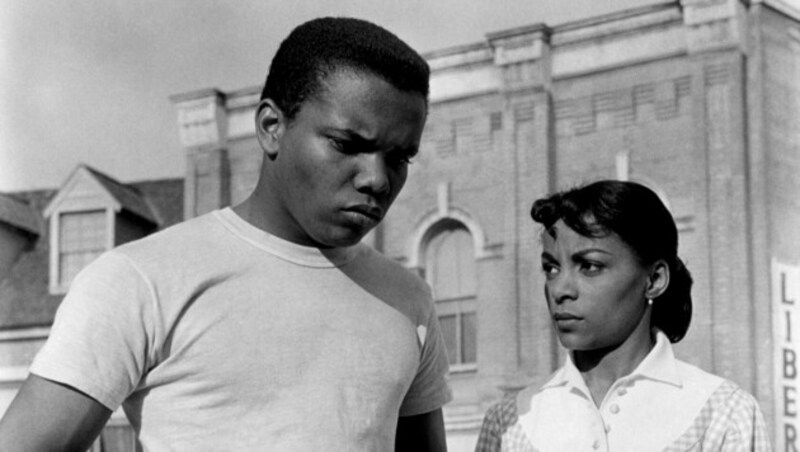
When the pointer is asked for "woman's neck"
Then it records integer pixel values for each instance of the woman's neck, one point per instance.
(600, 368)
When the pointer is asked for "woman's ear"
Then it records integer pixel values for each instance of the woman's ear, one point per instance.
(658, 281)
(270, 124)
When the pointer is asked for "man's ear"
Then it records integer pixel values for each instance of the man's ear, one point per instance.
(270, 124)
(658, 280)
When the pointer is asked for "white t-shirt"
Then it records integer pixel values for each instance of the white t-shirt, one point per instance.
(663, 405)
(214, 335)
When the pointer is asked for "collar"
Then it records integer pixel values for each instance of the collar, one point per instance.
(659, 365)
(291, 252)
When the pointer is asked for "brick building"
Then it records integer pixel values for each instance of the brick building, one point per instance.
(698, 99)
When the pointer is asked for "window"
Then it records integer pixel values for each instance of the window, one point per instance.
(450, 270)
(81, 238)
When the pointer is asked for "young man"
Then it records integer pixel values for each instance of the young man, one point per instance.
(266, 326)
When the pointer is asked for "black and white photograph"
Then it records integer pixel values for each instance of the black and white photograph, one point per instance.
(490, 226)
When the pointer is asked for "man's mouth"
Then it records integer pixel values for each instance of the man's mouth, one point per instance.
(364, 215)
(373, 213)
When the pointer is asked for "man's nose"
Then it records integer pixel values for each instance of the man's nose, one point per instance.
(372, 176)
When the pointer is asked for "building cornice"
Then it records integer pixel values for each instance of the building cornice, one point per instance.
(790, 8)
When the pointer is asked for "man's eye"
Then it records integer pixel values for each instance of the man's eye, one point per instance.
(338, 144)
(400, 159)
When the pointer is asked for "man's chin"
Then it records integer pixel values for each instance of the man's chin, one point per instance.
(343, 239)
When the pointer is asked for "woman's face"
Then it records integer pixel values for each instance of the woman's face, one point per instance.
(595, 289)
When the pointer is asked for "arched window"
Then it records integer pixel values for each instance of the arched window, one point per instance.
(450, 270)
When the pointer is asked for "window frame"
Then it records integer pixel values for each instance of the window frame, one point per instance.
(57, 286)
(456, 306)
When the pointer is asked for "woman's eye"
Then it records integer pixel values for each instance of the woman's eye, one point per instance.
(591, 267)
(549, 269)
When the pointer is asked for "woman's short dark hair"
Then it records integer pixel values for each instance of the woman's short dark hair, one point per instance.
(319, 47)
(638, 217)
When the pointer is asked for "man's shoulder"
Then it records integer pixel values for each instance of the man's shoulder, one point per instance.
(391, 282)
(190, 241)
(160, 247)
(176, 236)
(381, 265)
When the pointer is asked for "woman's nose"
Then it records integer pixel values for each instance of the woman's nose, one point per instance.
(561, 287)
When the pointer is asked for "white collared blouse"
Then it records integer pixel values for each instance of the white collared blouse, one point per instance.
(663, 405)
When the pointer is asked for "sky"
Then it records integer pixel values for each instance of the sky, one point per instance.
(89, 81)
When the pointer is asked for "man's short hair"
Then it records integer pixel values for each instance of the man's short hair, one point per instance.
(317, 48)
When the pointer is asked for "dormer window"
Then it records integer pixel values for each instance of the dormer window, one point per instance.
(91, 214)
(82, 237)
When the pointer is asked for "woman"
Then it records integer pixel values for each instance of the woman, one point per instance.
(618, 296)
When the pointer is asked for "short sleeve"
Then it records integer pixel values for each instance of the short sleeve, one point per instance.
(501, 431)
(99, 341)
(745, 429)
(429, 391)
(489, 436)
(730, 421)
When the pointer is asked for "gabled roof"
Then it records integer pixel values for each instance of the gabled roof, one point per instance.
(25, 300)
(124, 197)
(19, 214)
(165, 197)
(128, 196)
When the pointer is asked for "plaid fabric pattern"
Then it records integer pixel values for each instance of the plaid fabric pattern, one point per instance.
(500, 431)
(729, 421)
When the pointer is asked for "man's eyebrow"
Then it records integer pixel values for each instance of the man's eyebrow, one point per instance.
(358, 140)
(355, 139)
(350, 134)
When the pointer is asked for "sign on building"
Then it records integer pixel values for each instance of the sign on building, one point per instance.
(786, 334)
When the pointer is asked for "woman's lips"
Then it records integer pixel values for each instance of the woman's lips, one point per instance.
(564, 319)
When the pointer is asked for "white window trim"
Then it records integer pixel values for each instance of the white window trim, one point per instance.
(456, 307)
(13, 374)
(18, 374)
(462, 368)
(425, 231)
(55, 286)
(25, 334)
